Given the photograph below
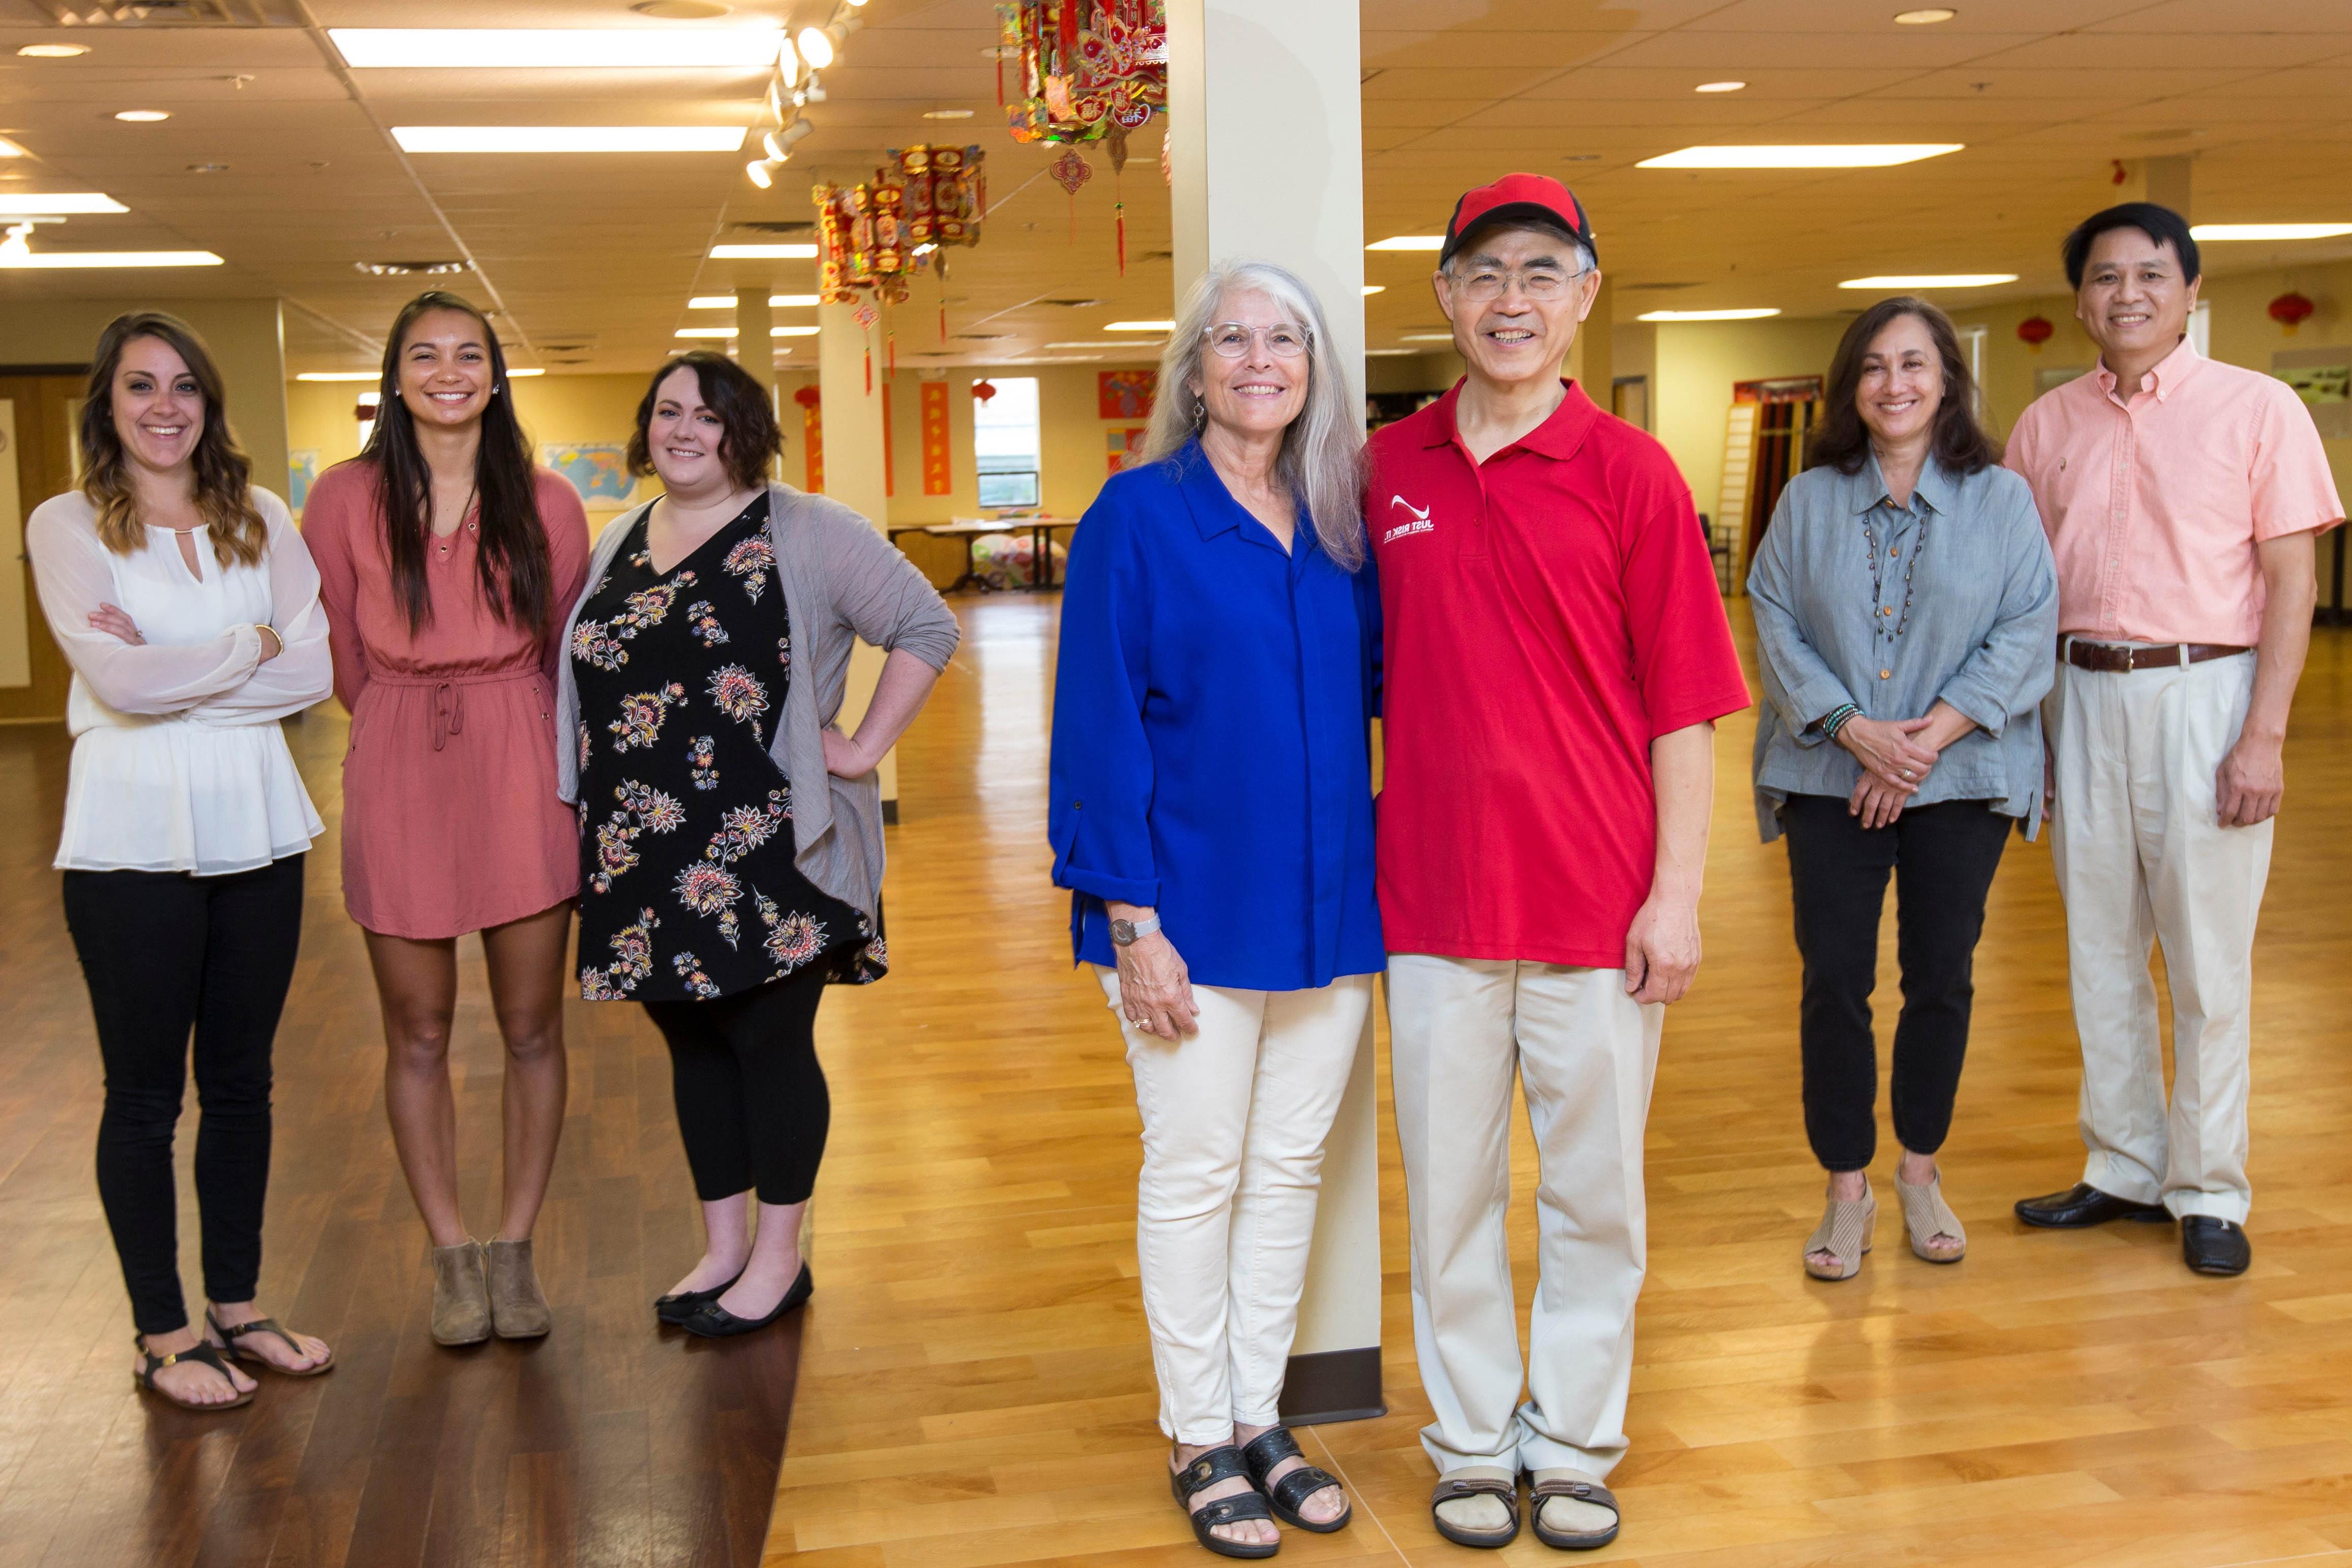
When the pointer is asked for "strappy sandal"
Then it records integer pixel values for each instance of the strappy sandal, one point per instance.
(1269, 1449)
(236, 1351)
(203, 1352)
(1845, 1235)
(1220, 1465)
(1578, 1491)
(1925, 1214)
(1450, 1488)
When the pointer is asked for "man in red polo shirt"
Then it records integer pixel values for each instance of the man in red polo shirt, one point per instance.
(1556, 657)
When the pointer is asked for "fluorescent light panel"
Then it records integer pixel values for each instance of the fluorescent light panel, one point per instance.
(762, 252)
(1409, 242)
(1425, 337)
(2203, 232)
(1859, 155)
(727, 301)
(556, 49)
(1132, 347)
(1372, 288)
(1931, 280)
(568, 138)
(114, 259)
(730, 332)
(9, 149)
(59, 201)
(338, 375)
(1138, 327)
(1756, 314)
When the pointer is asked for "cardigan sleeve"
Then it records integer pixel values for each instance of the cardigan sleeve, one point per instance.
(1099, 778)
(302, 673)
(883, 596)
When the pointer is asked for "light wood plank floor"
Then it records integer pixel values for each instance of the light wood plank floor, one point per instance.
(975, 1386)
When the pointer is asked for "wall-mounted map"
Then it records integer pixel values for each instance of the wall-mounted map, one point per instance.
(599, 472)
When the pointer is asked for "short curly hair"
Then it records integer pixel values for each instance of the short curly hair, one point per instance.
(751, 440)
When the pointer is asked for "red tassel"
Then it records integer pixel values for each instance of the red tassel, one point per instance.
(869, 370)
(1000, 77)
(1119, 212)
(890, 341)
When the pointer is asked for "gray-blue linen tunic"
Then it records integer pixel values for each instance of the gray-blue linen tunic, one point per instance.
(1982, 633)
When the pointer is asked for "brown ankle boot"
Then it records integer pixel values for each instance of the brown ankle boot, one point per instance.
(517, 1307)
(461, 1296)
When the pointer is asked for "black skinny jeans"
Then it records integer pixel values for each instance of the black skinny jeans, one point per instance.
(752, 1108)
(1943, 857)
(163, 953)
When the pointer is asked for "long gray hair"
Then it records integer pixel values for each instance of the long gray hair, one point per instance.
(1322, 449)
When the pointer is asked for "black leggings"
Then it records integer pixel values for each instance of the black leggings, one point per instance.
(1943, 857)
(165, 952)
(752, 1102)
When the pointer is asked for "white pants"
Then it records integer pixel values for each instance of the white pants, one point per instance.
(1234, 1122)
(1585, 1054)
(2141, 857)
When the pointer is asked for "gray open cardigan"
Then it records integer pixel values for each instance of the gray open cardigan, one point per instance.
(841, 581)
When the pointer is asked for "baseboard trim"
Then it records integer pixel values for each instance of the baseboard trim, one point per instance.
(1333, 1385)
(890, 813)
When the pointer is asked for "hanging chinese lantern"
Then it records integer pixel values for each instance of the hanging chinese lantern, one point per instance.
(874, 236)
(2035, 331)
(2290, 310)
(982, 391)
(1087, 70)
(808, 398)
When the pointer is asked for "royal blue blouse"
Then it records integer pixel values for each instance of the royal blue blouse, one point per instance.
(1211, 752)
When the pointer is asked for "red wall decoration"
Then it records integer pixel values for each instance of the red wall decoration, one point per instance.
(1126, 393)
(938, 477)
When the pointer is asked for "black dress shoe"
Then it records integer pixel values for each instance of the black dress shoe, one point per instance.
(2083, 1205)
(2212, 1246)
(680, 1305)
(713, 1322)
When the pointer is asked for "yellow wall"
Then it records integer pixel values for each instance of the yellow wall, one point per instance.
(1693, 365)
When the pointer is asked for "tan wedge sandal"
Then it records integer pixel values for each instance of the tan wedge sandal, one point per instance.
(1927, 1215)
(1845, 1235)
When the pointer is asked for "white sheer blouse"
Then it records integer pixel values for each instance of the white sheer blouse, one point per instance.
(178, 762)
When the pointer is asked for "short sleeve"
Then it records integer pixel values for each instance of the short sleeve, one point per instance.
(2294, 490)
(1685, 664)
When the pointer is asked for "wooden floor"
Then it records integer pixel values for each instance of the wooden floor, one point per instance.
(975, 1387)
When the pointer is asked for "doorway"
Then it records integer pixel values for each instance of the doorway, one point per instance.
(1787, 407)
(37, 413)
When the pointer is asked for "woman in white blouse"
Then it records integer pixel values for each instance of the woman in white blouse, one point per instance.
(189, 609)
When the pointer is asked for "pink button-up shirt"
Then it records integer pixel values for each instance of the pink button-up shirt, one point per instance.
(2154, 504)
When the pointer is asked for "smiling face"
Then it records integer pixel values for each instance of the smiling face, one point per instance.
(1257, 391)
(687, 439)
(1514, 297)
(444, 370)
(159, 409)
(1902, 384)
(2133, 302)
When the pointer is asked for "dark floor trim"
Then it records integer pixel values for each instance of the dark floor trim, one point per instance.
(890, 813)
(1333, 1385)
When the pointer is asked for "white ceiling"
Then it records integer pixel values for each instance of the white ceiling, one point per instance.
(592, 256)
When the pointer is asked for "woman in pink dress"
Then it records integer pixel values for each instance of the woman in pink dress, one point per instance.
(446, 563)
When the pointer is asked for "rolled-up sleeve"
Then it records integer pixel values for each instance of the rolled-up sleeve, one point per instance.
(2011, 670)
(884, 596)
(1100, 775)
(1798, 682)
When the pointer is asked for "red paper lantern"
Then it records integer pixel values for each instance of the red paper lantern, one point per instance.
(2291, 310)
(982, 391)
(2035, 331)
(808, 397)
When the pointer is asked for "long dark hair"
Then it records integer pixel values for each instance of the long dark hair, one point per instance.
(512, 556)
(1960, 444)
(223, 473)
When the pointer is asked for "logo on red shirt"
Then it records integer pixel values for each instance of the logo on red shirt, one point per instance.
(1420, 522)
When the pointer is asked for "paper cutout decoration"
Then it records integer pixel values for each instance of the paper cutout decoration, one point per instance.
(1126, 393)
(1086, 70)
(939, 474)
(873, 238)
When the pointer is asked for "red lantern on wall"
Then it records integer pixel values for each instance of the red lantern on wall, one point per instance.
(2035, 331)
(2290, 310)
(982, 391)
(808, 398)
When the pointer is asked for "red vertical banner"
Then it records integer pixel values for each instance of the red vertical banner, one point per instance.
(889, 458)
(939, 474)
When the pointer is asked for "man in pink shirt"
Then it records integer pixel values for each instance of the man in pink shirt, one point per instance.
(2182, 497)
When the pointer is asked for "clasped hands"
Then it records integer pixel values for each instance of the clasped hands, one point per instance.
(1897, 756)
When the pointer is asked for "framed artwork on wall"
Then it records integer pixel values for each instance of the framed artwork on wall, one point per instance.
(1126, 393)
(1125, 446)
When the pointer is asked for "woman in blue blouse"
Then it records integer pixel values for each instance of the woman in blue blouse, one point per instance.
(1212, 814)
(1906, 615)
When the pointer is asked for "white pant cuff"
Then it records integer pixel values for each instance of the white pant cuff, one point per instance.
(2232, 1207)
(2118, 1181)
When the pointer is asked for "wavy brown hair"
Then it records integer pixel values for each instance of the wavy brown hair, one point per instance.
(750, 441)
(223, 473)
(1960, 444)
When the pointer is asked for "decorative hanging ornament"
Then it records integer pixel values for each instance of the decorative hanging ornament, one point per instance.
(982, 391)
(872, 237)
(866, 315)
(1070, 171)
(2290, 310)
(1088, 69)
(2121, 175)
(2033, 332)
(808, 398)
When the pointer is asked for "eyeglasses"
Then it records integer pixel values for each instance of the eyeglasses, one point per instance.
(1541, 284)
(1284, 339)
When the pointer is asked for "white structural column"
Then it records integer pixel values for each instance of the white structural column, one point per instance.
(851, 413)
(1267, 156)
(753, 348)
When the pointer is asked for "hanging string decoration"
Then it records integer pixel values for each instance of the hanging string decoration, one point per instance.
(866, 315)
(1070, 171)
(873, 238)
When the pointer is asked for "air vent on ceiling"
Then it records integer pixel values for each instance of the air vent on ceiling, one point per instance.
(1072, 304)
(806, 230)
(1157, 256)
(1655, 287)
(983, 337)
(181, 14)
(407, 269)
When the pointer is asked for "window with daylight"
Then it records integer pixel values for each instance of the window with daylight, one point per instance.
(1005, 438)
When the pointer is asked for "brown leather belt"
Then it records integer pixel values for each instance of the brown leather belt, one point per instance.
(2115, 660)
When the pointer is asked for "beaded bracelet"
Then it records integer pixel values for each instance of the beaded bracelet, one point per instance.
(1839, 717)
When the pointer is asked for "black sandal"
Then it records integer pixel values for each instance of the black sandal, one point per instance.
(1268, 1450)
(1578, 1491)
(204, 1354)
(235, 1352)
(1476, 1486)
(1220, 1465)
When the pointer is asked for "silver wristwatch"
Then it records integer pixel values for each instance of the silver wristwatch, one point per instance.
(1124, 932)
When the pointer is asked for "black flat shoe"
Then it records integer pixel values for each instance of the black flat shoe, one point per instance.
(2083, 1204)
(676, 1307)
(2211, 1245)
(713, 1322)
(1269, 1449)
(1224, 1464)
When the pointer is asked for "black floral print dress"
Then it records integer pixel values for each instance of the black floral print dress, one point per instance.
(688, 888)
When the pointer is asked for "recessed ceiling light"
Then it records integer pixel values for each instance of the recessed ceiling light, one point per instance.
(60, 202)
(568, 138)
(762, 252)
(1139, 326)
(1372, 288)
(1409, 242)
(565, 48)
(727, 301)
(2227, 231)
(1925, 16)
(1749, 315)
(516, 370)
(53, 51)
(142, 116)
(947, 114)
(1720, 87)
(1857, 155)
(114, 258)
(340, 375)
(1931, 281)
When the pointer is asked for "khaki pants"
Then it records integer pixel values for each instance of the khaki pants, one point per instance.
(2141, 858)
(1585, 1054)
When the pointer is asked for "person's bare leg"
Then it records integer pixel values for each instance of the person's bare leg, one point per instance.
(726, 1244)
(527, 960)
(416, 983)
(774, 1264)
(1322, 1506)
(1242, 1531)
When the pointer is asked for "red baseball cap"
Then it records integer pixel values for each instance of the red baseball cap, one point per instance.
(1517, 197)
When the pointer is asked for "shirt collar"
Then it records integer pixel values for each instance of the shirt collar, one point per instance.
(1214, 510)
(1934, 486)
(1559, 437)
(2170, 373)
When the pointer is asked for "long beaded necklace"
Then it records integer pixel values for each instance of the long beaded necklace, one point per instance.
(1878, 578)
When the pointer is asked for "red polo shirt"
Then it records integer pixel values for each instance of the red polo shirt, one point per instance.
(1547, 613)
